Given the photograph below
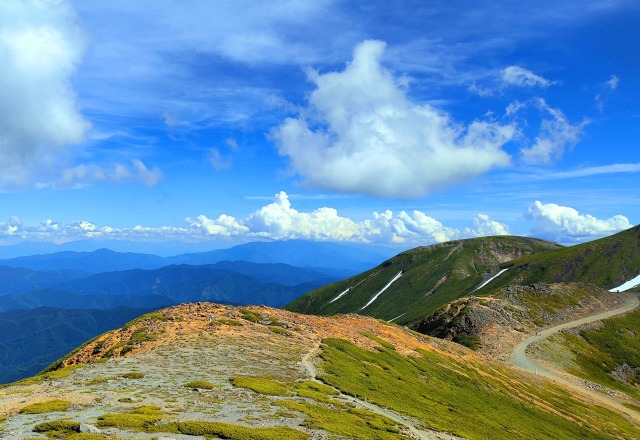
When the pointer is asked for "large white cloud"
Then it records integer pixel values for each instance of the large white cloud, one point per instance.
(361, 134)
(565, 224)
(40, 47)
(277, 221)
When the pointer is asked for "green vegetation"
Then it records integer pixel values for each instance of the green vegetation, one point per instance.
(345, 421)
(431, 277)
(236, 432)
(142, 418)
(132, 375)
(250, 315)
(153, 316)
(146, 418)
(230, 322)
(279, 330)
(471, 341)
(49, 375)
(607, 262)
(466, 397)
(85, 436)
(315, 390)
(200, 384)
(380, 341)
(610, 355)
(262, 385)
(46, 407)
(57, 427)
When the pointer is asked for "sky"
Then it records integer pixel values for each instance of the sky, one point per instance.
(398, 123)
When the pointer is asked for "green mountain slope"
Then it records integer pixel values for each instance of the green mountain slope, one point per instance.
(422, 279)
(606, 263)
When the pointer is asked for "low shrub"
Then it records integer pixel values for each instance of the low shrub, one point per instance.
(46, 407)
(236, 432)
(132, 375)
(57, 426)
(200, 384)
(262, 385)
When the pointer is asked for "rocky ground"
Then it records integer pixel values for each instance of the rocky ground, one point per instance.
(193, 342)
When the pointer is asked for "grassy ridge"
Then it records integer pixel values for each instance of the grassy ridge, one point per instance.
(466, 398)
(431, 276)
(607, 263)
(609, 355)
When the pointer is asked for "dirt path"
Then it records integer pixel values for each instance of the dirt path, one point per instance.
(408, 428)
(520, 359)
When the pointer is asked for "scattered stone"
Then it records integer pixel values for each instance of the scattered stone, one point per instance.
(85, 428)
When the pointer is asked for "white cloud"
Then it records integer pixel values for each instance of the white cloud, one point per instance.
(40, 47)
(361, 134)
(555, 136)
(613, 82)
(483, 226)
(520, 77)
(565, 224)
(276, 221)
(87, 174)
(149, 177)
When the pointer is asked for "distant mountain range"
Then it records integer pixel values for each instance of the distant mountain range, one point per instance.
(348, 257)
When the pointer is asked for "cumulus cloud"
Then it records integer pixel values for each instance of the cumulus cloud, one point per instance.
(40, 47)
(555, 136)
(483, 226)
(278, 220)
(361, 134)
(565, 224)
(519, 77)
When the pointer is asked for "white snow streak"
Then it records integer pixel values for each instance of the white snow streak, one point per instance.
(340, 296)
(626, 286)
(382, 290)
(490, 279)
(399, 316)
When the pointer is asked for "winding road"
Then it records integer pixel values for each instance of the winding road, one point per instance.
(520, 359)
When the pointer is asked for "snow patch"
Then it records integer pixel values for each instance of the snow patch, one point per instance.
(399, 316)
(490, 279)
(381, 290)
(626, 286)
(340, 296)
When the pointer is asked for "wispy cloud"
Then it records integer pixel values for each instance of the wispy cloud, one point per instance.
(548, 175)
(520, 77)
(555, 136)
(88, 174)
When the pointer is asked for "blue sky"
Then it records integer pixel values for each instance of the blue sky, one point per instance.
(407, 122)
